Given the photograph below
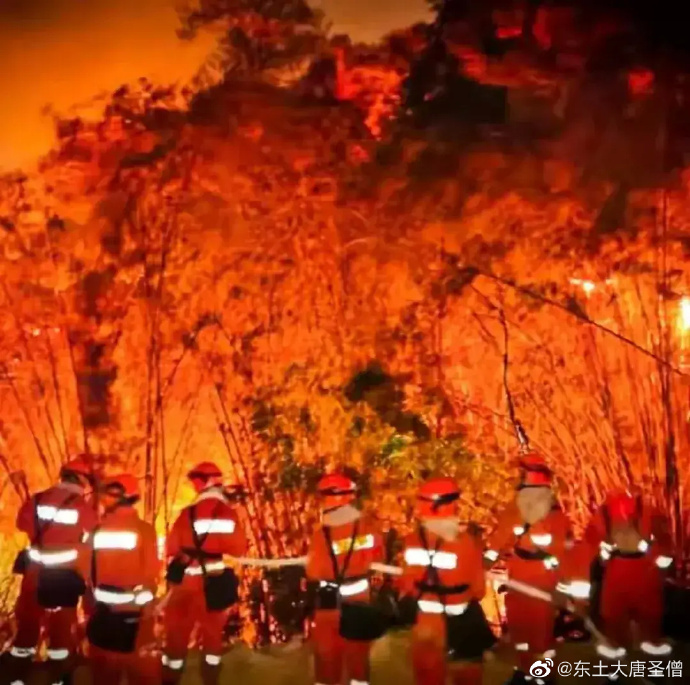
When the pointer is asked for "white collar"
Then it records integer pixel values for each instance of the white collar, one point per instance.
(341, 516)
(446, 528)
(211, 493)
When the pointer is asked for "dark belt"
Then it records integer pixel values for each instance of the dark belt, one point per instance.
(442, 590)
(200, 555)
(114, 588)
(625, 555)
(531, 555)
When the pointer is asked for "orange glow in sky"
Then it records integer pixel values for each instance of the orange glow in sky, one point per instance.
(65, 52)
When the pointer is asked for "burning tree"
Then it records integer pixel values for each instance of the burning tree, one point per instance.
(230, 273)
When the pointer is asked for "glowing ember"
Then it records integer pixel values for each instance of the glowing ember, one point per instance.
(587, 286)
(685, 313)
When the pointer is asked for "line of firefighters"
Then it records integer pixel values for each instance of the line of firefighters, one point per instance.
(109, 561)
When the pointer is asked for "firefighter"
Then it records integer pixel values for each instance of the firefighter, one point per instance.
(443, 572)
(203, 588)
(124, 576)
(532, 536)
(54, 568)
(633, 544)
(340, 553)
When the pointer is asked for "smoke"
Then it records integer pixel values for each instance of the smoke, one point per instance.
(370, 20)
(59, 53)
(62, 53)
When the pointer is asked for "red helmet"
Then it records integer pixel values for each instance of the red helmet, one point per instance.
(79, 467)
(205, 475)
(621, 506)
(534, 473)
(437, 498)
(124, 486)
(337, 491)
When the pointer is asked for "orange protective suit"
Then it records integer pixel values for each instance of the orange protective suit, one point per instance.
(56, 522)
(634, 547)
(339, 558)
(533, 554)
(202, 534)
(446, 577)
(125, 569)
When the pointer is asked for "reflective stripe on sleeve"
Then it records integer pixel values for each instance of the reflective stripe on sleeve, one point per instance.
(143, 597)
(416, 556)
(110, 539)
(579, 589)
(351, 589)
(663, 561)
(491, 554)
(208, 526)
(67, 517)
(550, 563)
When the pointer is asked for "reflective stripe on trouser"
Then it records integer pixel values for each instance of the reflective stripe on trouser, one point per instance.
(30, 616)
(656, 649)
(186, 609)
(333, 654)
(632, 587)
(172, 664)
(530, 626)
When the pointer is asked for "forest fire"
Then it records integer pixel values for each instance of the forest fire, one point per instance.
(382, 346)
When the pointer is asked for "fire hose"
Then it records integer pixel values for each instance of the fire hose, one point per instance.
(515, 585)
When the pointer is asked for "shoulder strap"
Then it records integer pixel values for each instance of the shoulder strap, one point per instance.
(431, 572)
(338, 573)
(200, 540)
(353, 540)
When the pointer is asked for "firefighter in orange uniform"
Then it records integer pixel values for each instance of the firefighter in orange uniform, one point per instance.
(443, 572)
(54, 569)
(124, 576)
(634, 548)
(203, 588)
(341, 551)
(533, 536)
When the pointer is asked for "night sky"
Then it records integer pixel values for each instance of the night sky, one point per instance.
(65, 51)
